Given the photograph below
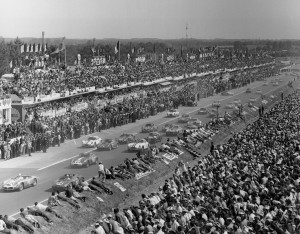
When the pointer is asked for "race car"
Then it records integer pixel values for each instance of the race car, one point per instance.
(259, 91)
(212, 113)
(19, 183)
(92, 141)
(252, 100)
(63, 182)
(126, 138)
(173, 113)
(84, 160)
(191, 103)
(216, 104)
(230, 105)
(149, 127)
(202, 111)
(166, 127)
(275, 84)
(248, 90)
(174, 130)
(195, 121)
(184, 118)
(227, 93)
(138, 145)
(108, 144)
(154, 137)
(236, 101)
(191, 125)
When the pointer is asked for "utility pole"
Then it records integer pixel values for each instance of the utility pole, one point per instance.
(186, 36)
(43, 43)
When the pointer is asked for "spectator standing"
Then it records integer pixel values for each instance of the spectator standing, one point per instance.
(101, 172)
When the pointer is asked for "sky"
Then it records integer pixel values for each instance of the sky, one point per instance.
(165, 19)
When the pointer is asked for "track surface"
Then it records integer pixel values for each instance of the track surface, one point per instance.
(49, 166)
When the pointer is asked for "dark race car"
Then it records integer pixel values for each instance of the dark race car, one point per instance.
(84, 160)
(108, 144)
(154, 137)
(149, 127)
(126, 138)
(174, 130)
(63, 182)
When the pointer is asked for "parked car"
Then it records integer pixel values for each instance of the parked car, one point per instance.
(108, 144)
(138, 145)
(202, 111)
(149, 127)
(154, 137)
(174, 130)
(173, 113)
(196, 121)
(19, 182)
(126, 138)
(62, 183)
(84, 160)
(184, 118)
(92, 141)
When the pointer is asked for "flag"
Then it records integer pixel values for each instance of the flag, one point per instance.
(62, 45)
(117, 47)
(133, 50)
(11, 64)
(45, 47)
(22, 49)
(40, 47)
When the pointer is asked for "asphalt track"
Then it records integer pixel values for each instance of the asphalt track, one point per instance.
(49, 166)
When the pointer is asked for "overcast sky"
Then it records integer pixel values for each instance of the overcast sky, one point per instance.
(207, 19)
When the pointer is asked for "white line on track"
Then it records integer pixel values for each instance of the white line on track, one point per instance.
(63, 160)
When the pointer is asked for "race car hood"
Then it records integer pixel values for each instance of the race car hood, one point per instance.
(11, 182)
(79, 160)
(62, 183)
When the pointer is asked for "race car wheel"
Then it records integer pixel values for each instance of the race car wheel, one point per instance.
(21, 187)
(34, 183)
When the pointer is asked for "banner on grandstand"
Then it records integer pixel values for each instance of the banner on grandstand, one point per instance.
(141, 59)
(60, 112)
(98, 60)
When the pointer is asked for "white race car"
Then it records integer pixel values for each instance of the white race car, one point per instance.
(19, 182)
(92, 141)
(138, 145)
(173, 113)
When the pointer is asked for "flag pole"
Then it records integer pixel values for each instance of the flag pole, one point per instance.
(119, 50)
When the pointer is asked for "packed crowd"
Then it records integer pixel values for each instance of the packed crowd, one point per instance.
(46, 131)
(248, 185)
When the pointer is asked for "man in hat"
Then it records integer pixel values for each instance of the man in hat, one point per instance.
(101, 172)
